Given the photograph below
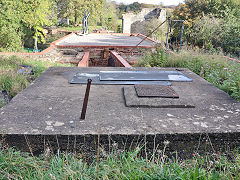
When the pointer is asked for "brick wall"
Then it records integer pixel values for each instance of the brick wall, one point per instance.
(116, 60)
(99, 55)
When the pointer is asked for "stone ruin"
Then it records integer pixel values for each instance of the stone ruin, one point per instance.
(136, 23)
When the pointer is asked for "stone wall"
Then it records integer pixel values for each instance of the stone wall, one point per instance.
(139, 20)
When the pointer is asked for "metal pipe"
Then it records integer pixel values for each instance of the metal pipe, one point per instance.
(151, 33)
(182, 30)
(177, 20)
(85, 101)
(167, 45)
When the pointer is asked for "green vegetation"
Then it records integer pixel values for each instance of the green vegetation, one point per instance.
(51, 38)
(211, 24)
(73, 9)
(13, 82)
(22, 23)
(222, 73)
(22, 19)
(102, 13)
(126, 165)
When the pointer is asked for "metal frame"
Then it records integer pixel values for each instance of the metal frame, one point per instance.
(169, 30)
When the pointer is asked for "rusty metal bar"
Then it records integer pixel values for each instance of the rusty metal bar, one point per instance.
(85, 101)
(152, 32)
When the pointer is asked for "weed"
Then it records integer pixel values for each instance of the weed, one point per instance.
(13, 82)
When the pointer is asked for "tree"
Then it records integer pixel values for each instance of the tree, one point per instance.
(20, 18)
(109, 16)
(73, 9)
(207, 21)
(10, 26)
(205, 31)
(36, 15)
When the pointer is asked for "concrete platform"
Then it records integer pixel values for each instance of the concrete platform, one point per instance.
(51, 107)
(104, 40)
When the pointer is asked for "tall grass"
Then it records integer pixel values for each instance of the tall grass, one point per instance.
(13, 82)
(216, 69)
(125, 165)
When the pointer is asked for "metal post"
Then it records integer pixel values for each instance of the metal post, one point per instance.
(85, 101)
(167, 45)
(182, 30)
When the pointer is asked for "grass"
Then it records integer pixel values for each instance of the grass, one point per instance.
(13, 82)
(125, 165)
(219, 71)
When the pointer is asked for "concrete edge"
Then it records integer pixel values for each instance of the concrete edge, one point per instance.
(65, 37)
(148, 38)
(100, 46)
(185, 145)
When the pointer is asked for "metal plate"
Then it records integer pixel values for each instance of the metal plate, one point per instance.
(143, 76)
(155, 91)
(132, 100)
(82, 77)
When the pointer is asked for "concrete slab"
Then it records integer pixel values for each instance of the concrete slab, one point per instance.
(51, 106)
(104, 40)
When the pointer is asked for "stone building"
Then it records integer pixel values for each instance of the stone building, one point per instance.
(136, 23)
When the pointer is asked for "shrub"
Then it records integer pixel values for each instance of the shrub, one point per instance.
(205, 32)
(158, 58)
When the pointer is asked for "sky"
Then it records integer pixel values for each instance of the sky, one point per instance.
(165, 2)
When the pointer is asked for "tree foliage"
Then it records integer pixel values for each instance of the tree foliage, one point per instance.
(109, 16)
(211, 23)
(10, 30)
(73, 9)
(21, 18)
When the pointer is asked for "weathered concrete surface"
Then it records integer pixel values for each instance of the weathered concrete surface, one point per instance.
(104, 40)
(51, 106)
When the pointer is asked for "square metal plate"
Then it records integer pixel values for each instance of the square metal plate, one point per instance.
(132, 100)
(145, 90)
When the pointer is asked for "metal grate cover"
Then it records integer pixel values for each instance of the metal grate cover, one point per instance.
(144, 90)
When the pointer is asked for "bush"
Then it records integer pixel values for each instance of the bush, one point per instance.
(155, 59)
(211, 24)
(230, 34)
(205, 32)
